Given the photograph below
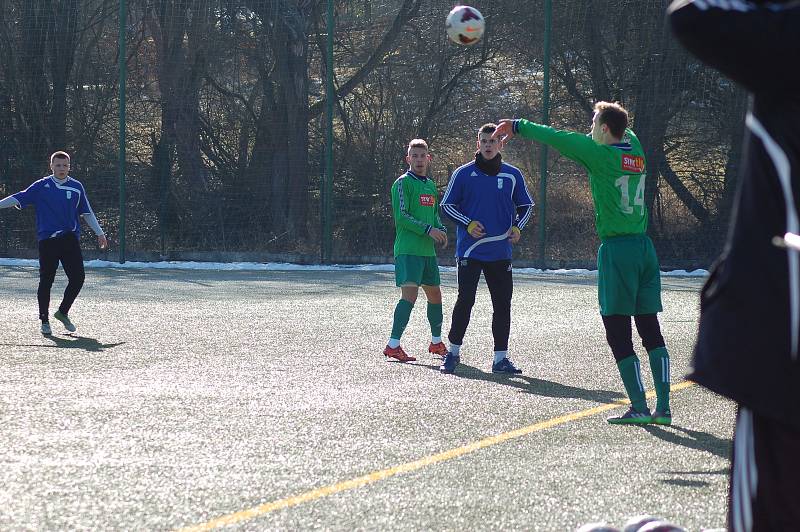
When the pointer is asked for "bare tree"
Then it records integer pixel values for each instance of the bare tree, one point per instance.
(180, 31)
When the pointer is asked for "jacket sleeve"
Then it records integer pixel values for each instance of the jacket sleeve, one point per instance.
(9, 201)
(523, 202)
(437, 218)
(755, 45)
(452, 199)
(28, 196)
(83, 205)
(402, 218)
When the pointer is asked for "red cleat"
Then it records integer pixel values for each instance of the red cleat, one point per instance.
(398, 354)
(440, 350)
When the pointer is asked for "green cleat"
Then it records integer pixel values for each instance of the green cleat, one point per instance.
(631, 417)
(662, 417)
(65, 320)
(46, 329)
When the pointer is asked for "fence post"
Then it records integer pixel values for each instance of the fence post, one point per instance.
(548, 17)
(327, 193)
(123, 65)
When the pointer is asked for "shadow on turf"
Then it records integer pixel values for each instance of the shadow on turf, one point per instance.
(81, 342)
(72, 341)
(686, 483)
(693, 439)
(690, 483)
(537, 386)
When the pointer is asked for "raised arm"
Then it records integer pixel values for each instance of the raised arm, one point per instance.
(576, 146)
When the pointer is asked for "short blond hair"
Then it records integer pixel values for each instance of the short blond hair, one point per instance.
(417, 143)
(59, 155)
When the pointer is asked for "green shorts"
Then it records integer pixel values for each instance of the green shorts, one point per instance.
(628, 276)
(413, 269)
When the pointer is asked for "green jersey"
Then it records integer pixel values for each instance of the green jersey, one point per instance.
(616, 175)
(415, 203)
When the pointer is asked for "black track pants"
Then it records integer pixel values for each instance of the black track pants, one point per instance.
(67, 250)
(499, 279)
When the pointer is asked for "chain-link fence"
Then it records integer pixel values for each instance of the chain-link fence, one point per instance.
(225, 111)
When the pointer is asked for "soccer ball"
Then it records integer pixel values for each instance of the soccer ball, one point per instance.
(465, 25)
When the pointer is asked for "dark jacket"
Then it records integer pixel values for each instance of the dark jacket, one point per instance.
(747, 344)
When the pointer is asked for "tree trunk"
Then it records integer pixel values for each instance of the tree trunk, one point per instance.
(281, 147)
(181, 69)
(62, 44)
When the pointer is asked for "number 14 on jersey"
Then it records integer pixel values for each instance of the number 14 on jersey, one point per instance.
(625, 198)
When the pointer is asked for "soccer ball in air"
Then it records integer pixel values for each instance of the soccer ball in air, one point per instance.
(465, 25)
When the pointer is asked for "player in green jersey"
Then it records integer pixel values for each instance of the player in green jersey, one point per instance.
(418, 227)
(629, 282)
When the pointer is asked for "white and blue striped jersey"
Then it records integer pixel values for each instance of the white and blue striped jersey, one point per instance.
(58, 206)
(499, 202)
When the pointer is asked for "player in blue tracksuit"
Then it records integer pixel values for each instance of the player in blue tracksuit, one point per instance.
(60, 201)
(489, 202)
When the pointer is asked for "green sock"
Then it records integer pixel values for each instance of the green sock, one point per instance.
(659, 365)
(435, 318)
(631, 378)
(402, 312)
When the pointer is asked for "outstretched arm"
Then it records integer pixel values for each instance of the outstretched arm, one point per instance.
(9, 201)
(576, 146)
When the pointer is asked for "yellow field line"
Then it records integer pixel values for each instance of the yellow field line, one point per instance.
(318, 493)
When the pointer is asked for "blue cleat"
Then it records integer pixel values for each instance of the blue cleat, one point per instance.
(450, 363)
(506, 366)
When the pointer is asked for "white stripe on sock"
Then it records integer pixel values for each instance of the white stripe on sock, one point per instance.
(638, 375)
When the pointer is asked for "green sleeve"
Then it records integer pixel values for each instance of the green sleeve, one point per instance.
(579, 147)
(438, 219)
(402, 217)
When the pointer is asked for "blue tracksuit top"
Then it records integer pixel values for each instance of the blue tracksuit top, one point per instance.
(58, 206)
(494, 201)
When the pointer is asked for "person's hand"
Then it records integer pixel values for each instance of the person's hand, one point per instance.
(513, 235)
(476, 229)
(439, 236)
(102, 241)
(504, 131)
